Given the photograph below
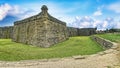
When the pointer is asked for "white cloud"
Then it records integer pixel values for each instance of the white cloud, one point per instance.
(89, 22)
(117, 25)
(32, 9)
(4, 9)
(98, 13)
(15, 10)
(115, 7)
(83, 22)
(105, 24)
(96, 23)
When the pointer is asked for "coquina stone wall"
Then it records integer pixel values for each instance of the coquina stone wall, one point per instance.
(86, 31)
(106, 44)
(80, 31)
(6, 32)
(40, 30)
(72, 31)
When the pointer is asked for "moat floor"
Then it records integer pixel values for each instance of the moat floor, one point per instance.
(109, 59)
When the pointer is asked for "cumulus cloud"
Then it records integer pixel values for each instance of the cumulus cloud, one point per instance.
(4, 9)
(98, 13)
(115, 7)
(82, 22)
(89, 22)
(16, 11)
(117, 25)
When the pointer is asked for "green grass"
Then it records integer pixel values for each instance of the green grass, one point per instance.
(114, 37)
(11, 51)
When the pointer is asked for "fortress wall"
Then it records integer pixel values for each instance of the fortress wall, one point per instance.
(86, 31)
(72, 31)
(80, 31)
(56, 32)
(50, 32)
(6, 32)
(25, 31)
(41, 31)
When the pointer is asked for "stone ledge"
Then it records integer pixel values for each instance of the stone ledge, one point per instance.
(106, 44)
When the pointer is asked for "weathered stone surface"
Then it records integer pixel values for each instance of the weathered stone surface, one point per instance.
(86, 31)
(72, 31)
(80, 31)
(106, 44)
(40, 30)
(6, 32)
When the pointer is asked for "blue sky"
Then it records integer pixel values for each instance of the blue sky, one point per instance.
(103, 14)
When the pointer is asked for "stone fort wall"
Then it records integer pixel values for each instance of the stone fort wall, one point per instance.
(71, 31)
(40, 30)
(80, 31)
(6, 32)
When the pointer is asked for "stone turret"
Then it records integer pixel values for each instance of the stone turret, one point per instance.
(44, 10)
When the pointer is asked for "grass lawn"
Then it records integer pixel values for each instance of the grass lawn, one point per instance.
(114, 37)
(83, 45)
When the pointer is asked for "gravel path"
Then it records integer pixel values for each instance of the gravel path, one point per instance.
(106, 59)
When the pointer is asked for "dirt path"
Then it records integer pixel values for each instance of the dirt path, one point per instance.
(118, 55)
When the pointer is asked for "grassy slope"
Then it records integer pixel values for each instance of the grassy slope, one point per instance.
(11, 51)
(111, 36)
